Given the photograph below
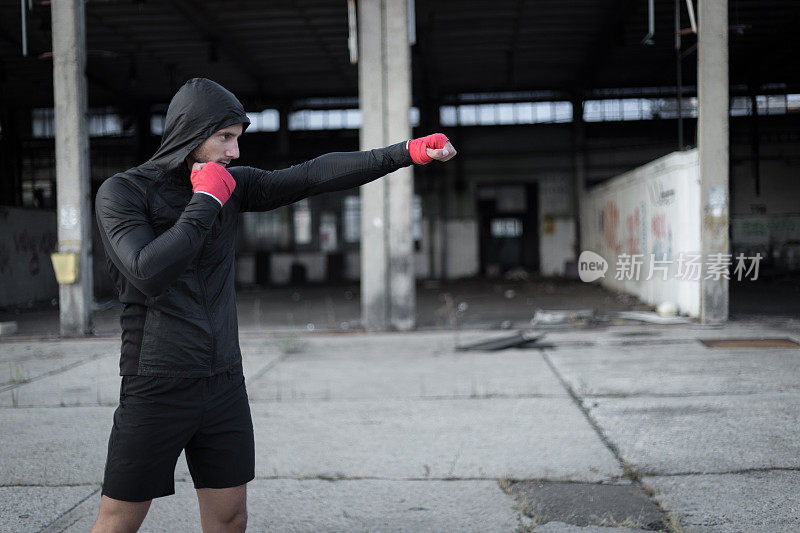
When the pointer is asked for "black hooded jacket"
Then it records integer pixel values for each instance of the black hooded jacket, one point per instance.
(170, 252)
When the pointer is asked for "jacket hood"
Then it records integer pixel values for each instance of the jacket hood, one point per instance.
(199, 108)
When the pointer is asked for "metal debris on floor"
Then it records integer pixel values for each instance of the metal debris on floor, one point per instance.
(520, 339)
(561, 316)
(653, 318)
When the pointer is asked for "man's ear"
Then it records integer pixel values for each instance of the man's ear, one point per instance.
(191, 159)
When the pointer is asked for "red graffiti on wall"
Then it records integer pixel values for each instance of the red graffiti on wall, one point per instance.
(27, 243)
(659, 225)
(632, 239)
(610, 225)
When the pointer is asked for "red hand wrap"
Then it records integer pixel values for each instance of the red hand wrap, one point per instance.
(416, 147)
(213, 179)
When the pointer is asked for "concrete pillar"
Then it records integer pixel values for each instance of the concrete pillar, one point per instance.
(578, 168)
(712, 142)
(388, 298)
(72, 161)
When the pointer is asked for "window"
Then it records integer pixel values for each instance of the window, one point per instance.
(506, 227)
(505, 113)
(335, 119)
(352, 219)
(267, 229)
(99, 122)
(266, 120)
(157, 124)
(302, 222)
(44, 123)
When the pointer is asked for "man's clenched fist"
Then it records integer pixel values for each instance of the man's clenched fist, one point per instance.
(212, 179)
(426, 149)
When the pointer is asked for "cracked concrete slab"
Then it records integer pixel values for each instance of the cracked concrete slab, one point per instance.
(32, 508)
(95, 379)
(289, 505)
(21, 361)
(424, 365)
(668, 369)
(634, 334)
(514, 438)
(585, 504)
(58, 446)
(506, 416)
(54, 446)
(703, 434)
(767, 502)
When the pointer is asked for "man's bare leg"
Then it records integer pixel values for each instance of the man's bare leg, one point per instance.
(117, 516)
(223, 510)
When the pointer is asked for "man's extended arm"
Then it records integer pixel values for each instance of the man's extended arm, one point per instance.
(150, 263)
(262, 190)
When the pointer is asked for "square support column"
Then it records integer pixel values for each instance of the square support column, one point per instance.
(713, 145)
(388, 297)
(72, 161)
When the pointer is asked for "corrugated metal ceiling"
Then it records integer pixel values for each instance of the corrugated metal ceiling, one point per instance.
(274, 52)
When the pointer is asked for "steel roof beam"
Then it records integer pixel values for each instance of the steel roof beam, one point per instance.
(97, 76)
(342, 68)
(226, 42)
(611, 29)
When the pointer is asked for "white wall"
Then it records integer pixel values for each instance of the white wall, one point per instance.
(556, 245)
(462, 260)
(27, 239)
(556, 225)
(653, 209)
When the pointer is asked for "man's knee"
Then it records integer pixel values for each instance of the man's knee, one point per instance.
(233, 521)
(223, 510)
(119, 516)
(239, 520)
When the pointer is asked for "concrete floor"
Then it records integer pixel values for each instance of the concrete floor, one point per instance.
(402, 432)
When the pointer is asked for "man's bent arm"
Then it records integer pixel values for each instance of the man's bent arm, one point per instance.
(151, 263)
(262, 190)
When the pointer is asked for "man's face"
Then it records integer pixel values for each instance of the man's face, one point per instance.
(222, 147)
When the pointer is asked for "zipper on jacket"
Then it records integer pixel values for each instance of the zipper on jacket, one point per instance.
(208, 317)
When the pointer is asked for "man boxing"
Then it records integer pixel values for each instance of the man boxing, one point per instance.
(169, 227)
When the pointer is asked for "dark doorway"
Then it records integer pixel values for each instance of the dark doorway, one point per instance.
(509, 237)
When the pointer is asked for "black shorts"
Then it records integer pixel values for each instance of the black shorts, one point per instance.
(158, 417)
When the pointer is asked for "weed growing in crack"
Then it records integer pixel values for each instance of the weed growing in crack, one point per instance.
(608, 520)
(17, 375)
(527, 518)
(525, 526)
(674, 523)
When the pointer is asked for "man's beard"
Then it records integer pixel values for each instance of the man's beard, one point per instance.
(200, 157)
